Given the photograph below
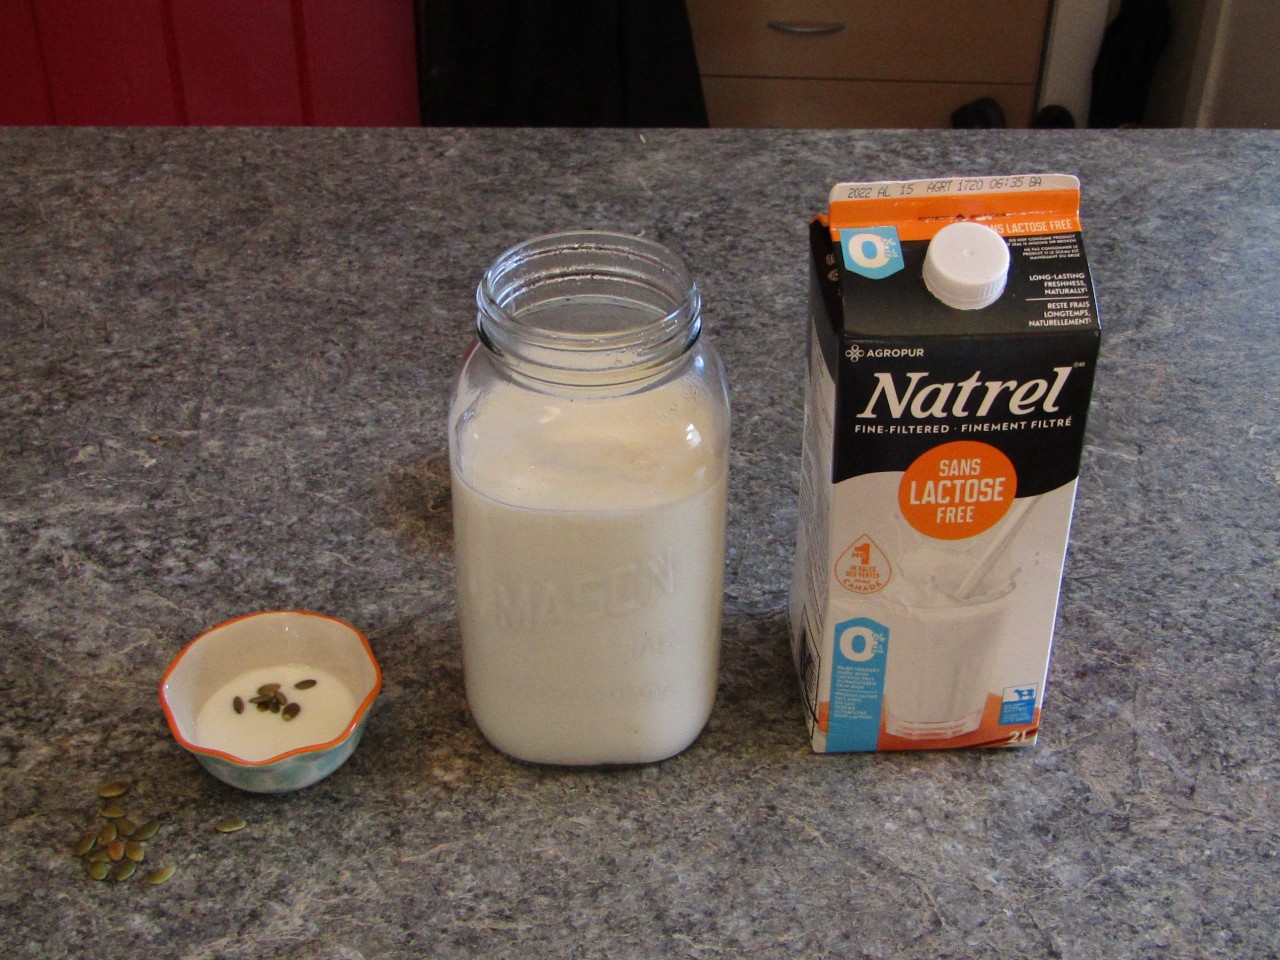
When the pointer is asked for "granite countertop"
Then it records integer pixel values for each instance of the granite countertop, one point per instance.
(225, 362)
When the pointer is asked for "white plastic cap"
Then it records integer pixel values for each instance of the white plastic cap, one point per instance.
(966, 266)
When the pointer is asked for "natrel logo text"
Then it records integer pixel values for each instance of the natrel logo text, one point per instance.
(970, 397)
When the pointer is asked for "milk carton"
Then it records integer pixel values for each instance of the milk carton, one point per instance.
(952, 342)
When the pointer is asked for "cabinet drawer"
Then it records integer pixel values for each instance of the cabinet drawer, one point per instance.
(771, 102)
(991, 41)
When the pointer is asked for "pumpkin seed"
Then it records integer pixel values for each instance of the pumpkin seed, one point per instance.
(114, 849)
(270, 697)
(229, 825)
(112, 789)
(161, 875)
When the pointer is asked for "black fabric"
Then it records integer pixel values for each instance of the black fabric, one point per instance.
(983, 114)
(1053, 117)
(565, 63)
(1131, 46)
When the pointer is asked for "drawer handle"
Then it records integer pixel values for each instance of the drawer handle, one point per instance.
(808, 27)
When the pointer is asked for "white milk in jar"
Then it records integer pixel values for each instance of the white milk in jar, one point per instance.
(589, 453)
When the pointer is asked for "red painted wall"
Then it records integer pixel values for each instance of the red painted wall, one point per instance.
(229, 62)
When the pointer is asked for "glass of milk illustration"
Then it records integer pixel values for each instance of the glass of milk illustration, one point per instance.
(949, 608)
(588, 436)
(947, 635)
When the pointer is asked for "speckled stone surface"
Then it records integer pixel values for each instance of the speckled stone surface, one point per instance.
(224, 366)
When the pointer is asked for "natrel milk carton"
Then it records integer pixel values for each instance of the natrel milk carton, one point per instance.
(952, 343)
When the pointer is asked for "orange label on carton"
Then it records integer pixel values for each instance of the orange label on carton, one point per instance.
(863, 567)
(957, 490)
(1012, 206)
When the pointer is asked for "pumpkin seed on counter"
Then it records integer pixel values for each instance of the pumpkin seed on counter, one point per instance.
(112, 789)
(156, 877)
(113, 850)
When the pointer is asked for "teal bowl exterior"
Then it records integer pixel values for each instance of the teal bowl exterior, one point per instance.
(287, 774)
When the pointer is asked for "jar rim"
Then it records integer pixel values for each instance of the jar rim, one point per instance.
(637, 306)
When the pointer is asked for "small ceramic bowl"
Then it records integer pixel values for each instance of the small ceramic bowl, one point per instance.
(325, 669)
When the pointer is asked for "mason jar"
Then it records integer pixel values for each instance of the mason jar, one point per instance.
(589, 443)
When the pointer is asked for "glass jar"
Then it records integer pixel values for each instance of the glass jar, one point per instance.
(589, 445)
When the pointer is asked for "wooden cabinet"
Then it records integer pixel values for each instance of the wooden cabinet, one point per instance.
(850, 63)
